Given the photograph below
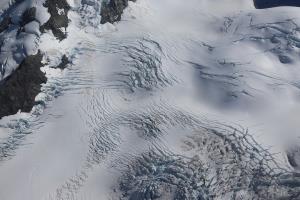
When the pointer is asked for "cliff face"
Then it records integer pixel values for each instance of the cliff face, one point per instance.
(20, 59)
(19, 90)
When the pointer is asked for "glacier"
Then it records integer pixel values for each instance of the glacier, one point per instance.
(174, 100)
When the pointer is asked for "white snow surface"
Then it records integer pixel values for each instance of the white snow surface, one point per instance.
(17, 46)
(218, 61)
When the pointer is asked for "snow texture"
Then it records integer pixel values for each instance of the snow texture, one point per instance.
(20, 39)
(178, 100)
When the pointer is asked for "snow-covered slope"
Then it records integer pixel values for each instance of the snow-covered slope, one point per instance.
(21, 36)
(178, 100)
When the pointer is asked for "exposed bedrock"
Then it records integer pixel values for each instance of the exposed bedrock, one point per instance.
(112, 10)
(262, 4)
(18, 91)
(4, 24)
(58, 20)
(19, 85)
(28, 16)
(63, 63)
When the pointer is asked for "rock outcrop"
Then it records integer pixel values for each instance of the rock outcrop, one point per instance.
(4, 24)
(18, 91)
(111, 11)
(58, 10)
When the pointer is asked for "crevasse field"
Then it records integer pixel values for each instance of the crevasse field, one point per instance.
(185, 100)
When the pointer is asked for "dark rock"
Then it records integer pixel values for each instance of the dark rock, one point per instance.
(111, 11)
(57, 19)
(64, 62)
(262, 4)
(4, 24)
(18, 91)
(28, 16)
